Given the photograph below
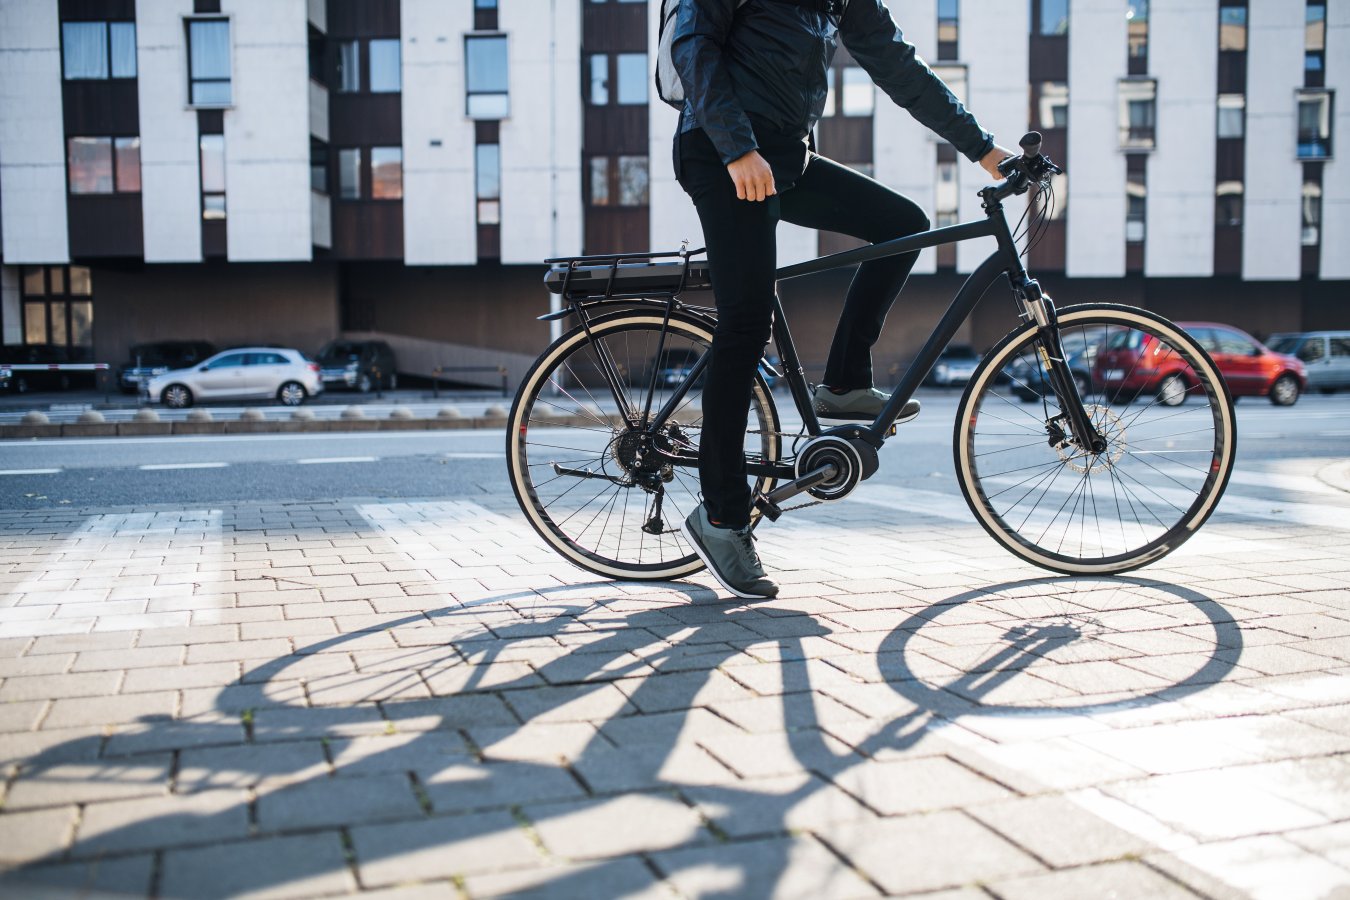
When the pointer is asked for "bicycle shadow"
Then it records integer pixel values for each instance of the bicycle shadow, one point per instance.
(655, 673)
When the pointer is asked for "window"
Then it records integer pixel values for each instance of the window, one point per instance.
(1314, 124)
(349, 173)
(1312, 214)
(1054, 104)
(632, 181)
(1137, 119)
(488, 166)
(95, 50)
(57, 308)
(318, 165)
(1054, 17)
(1233, 28)
(632, 71)
(1312, 350)
(385, 66)
(858, 96)
(1136, 197)
(486, 77)
(949, 28)
(100, 165)
(946, 199)
(213, 176)
(349, 66)
(599, 171)
(599, 80)
(1228, 204)
(1232, 343)
(386, 173)
(1136, 16)
(209, 62)
(1340, 346)
(1232, 108)
(234, 360)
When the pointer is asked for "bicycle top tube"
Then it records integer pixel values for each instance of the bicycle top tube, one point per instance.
(924, 239)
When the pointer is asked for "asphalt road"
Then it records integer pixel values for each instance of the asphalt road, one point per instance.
(1286, 442)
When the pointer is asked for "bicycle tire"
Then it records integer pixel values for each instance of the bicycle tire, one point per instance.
(595, 441)
(1162, 481)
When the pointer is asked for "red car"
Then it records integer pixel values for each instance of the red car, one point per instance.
(1126, 368)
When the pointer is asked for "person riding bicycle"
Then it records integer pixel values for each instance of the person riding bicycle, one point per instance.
(754, 79)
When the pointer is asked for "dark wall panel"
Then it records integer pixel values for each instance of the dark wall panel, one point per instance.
(365, 120)
(101, 108)
(105, 225)
(616, 129)
(614, 27)
(367, 229)
(93, 10)
(363, 18)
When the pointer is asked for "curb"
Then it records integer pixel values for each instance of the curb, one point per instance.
(1336, 475)
(289, 426)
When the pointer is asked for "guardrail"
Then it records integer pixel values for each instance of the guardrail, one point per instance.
(437, 372)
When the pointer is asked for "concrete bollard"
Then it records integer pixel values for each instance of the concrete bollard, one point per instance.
(252, 414)
(200, 415)
(353, 412)
(400, 412)
(35, 418)
(91, 417)
(145, 414)
(495, 411)
(449, 412)
(301, 414)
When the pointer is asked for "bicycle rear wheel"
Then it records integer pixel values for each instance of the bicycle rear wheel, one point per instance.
(1170, 438)
(592, 484)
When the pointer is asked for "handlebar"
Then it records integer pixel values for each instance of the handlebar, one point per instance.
(1020, 172)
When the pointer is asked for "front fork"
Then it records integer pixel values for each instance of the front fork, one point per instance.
(1042, 311)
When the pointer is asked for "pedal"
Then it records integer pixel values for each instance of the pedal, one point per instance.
(767, 508)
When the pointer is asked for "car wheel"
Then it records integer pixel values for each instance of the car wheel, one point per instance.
(1284, 392)
(292, 393)
(1172, 391)
(364, 383)
(176, 396)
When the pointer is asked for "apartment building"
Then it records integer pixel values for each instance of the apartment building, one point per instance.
(291, 170)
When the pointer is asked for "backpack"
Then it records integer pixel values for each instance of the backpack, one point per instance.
(668, 85)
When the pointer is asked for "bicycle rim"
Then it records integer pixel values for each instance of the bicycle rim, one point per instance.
(1063, 508)
(565, 422)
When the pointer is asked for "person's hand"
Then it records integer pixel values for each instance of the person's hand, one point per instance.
(752, 176)
(991, 160)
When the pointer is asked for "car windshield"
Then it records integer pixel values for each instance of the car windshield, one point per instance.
(1283, 343)
(341, 352)
(157, 354)
(1126, 340)
(959, 352)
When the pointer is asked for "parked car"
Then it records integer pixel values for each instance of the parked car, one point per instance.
(22, 382)
(1028, 376)
(676, 364)
(1325, 355)
(244, 373)
(955, 365)
(149, 360)
(359, 365)
(1126, 368)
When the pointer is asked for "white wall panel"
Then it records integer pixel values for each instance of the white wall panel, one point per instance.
(11, 311)
(1336, 173)
(1097, 45)
(1184, 59)
(267, 203)
(993, 41)
(541, 141)
(673, 217)
(1271, 220)
(439, 219)
(904, 154)
(170, 180)
(32, 137)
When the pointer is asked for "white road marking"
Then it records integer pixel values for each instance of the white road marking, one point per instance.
(469, 455)
(320, 460)
(30, 471)
(159, 467)
(74, 588)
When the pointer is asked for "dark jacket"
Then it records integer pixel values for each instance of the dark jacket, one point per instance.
(755, 74)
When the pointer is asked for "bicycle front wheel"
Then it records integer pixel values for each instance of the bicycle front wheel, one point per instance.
(596, 486)
(1156, 397)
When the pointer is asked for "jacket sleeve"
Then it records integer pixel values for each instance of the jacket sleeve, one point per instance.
(697, 48)
(871, 36)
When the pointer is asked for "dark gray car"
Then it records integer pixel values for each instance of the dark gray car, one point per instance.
(357, 365)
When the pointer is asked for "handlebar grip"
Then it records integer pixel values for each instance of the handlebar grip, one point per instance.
(1030, 144)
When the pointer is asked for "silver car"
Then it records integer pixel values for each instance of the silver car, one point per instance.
(244, 373)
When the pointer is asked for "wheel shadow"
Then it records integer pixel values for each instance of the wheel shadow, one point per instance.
(655, 673)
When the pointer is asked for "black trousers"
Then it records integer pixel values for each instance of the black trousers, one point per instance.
(742, 256)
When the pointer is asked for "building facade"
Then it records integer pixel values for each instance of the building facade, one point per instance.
(288, 171)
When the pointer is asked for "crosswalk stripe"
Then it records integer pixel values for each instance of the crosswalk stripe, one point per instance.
(164, 467)
(30, 471)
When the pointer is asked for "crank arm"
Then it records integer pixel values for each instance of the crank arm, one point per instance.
(587, 473)
(801, 485)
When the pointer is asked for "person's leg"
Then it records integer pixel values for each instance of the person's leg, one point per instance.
(739, 235)
(832, 197)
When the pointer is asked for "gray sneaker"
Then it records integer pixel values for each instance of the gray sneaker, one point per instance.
(730, 556)
(864, 403)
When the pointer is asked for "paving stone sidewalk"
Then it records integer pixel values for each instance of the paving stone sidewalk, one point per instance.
(417, 699)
